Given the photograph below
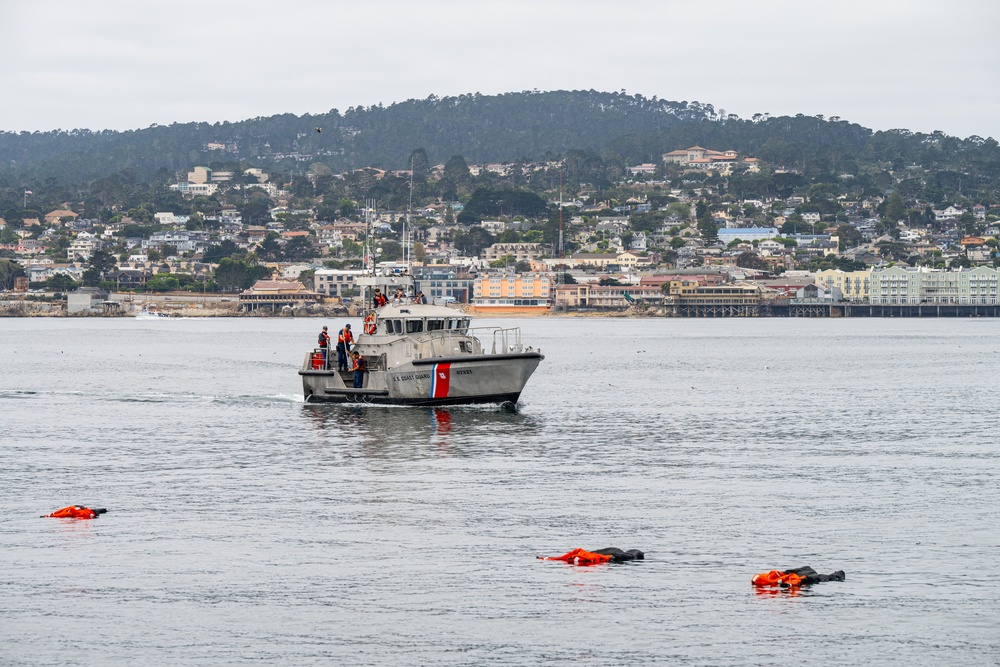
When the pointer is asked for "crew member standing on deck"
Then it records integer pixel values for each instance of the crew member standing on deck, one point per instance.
(360, 365)
(344, 340)
(379, 299)
(324, 344)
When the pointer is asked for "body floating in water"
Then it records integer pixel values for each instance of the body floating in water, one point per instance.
(796, 576)
(75, 512)
(609, 555)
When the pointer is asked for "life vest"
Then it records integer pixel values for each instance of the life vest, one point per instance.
(75, 512)
(380, 300)
(370, 326)
(360, 364)
(777, 578)
(324, 339)
(581, 557)
(348, 336)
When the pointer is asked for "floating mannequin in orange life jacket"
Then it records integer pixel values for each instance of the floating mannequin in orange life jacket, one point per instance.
(795, 576)
(609, 555)
(75, 512)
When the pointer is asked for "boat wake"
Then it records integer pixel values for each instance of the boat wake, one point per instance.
(151, 397)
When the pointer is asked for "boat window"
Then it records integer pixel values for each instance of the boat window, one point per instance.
(465, 324)
(414, 326)
(452, 324)
(435, 325)
(397, 326)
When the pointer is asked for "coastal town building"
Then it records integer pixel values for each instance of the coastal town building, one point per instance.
(200, 175)
(604, 297)
(697, 157)
(277, 294)
(339, 283)
(58, 216)
(443, 284)
(512, 289)
(898, 285)
(853, 285)
(729, 234)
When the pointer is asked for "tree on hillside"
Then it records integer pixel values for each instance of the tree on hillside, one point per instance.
(269, 249)
(8, 271)
(456, 179)
(751, 260)
(299, 249)
(256, 209)
(707, 227)
(239, 274)
(215, 253)
(495, 203)
(895, 209)
(61, 283)
(473, 242)
(103, 261)
(420, 165)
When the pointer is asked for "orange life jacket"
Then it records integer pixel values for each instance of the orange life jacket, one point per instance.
(581, 557)
(73, 512)
(776, 578)
(348, 336)
(324, 339)
(360, 364)
(380, 300)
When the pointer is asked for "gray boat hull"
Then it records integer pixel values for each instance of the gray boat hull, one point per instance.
(450, 380)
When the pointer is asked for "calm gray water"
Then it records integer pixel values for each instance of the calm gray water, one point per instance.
(246, 526)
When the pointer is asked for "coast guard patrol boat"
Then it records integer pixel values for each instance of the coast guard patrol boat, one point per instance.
(419, 354)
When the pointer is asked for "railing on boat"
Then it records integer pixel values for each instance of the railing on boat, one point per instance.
(504, 340)
(375, 362)
(442, 341)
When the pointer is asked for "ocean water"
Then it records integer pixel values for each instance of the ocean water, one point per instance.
(245, 526)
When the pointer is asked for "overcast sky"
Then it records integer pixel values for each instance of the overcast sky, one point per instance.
(920, 64)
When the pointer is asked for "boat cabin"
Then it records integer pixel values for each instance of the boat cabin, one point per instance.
(401, 320)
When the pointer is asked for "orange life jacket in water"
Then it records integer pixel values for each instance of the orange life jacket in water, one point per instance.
(581, 557)
(73, 512)
(777, 578)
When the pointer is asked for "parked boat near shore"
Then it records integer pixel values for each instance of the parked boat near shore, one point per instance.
(146, 314)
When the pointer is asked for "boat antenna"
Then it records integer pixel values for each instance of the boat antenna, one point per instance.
(560, 213)
(409, 213)
(369, 241)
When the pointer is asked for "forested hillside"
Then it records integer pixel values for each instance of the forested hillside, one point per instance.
(483, 128)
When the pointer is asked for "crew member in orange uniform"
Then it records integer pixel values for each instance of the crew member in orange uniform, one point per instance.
(360, 365)
(344, 340)
(324, 344)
